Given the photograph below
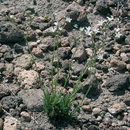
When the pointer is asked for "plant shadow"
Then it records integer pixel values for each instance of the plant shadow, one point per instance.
(63, 123)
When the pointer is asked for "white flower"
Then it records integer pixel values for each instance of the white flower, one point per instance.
(101, 22)
(100, 56)
(68, 20)
(117, 29)
(117, 32)
(118, 35)
(108, 38)
(95, 30)
(81, 29)
(88, 31)
(54, 29)
(75, 25)
(60, 28)
(56, 23)
(110, 18)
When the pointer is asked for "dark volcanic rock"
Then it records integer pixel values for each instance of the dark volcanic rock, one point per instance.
(102, 7)
(9, 33)
(117, 82)
(10, 101)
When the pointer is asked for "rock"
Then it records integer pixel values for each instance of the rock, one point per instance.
(117, 82)
(115, 109)
(2, 67)
(25, 115)
(87, 108)
(65, 64)
(80, 54)
(127, 40)
(4, 48)
(39, 66)
(96, 111)
(93, 127)
(127, 100)
(32, 44)
(107, 122)
(8, 56)
(10, 102)
(9, 72)
(77, 68)
(9, 33)
(47, 43)
(28, 78)
(101, 6)
(72, 11)
(4, 91)
(24, 61)
(64, 52)
(125, 49)
(65, 41)
(128, 67)
(124, 57)
(1, 107)
(118, 65)
(1, 124)
(112, 2)
(37, 52)
(18, 48)
(10, 123)
(99, 118)
(32, 98)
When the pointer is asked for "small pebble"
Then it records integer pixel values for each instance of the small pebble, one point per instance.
(96, 111)
(87, 108)
(99, 118)
(26, 116)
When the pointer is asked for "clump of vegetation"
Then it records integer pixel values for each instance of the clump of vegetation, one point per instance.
(58, 105)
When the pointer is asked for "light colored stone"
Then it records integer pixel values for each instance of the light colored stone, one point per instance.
(117, 64)
(17, 70)
(24, 61)
(80, 54)
(25, 115)
(32, 44)
(37, 52)
(65, 42)
(28, 78)
(87, 108)
(38, 31)
(10, 123)
(99, 118)
(39, 66)
(96, 111)
(124, 57)
(128, 67)
(115, 109)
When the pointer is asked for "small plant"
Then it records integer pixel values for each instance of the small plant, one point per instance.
(58, 105)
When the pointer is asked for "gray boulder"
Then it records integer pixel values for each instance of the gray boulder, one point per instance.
(117, 82)
(32, 98)
(9, 33)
